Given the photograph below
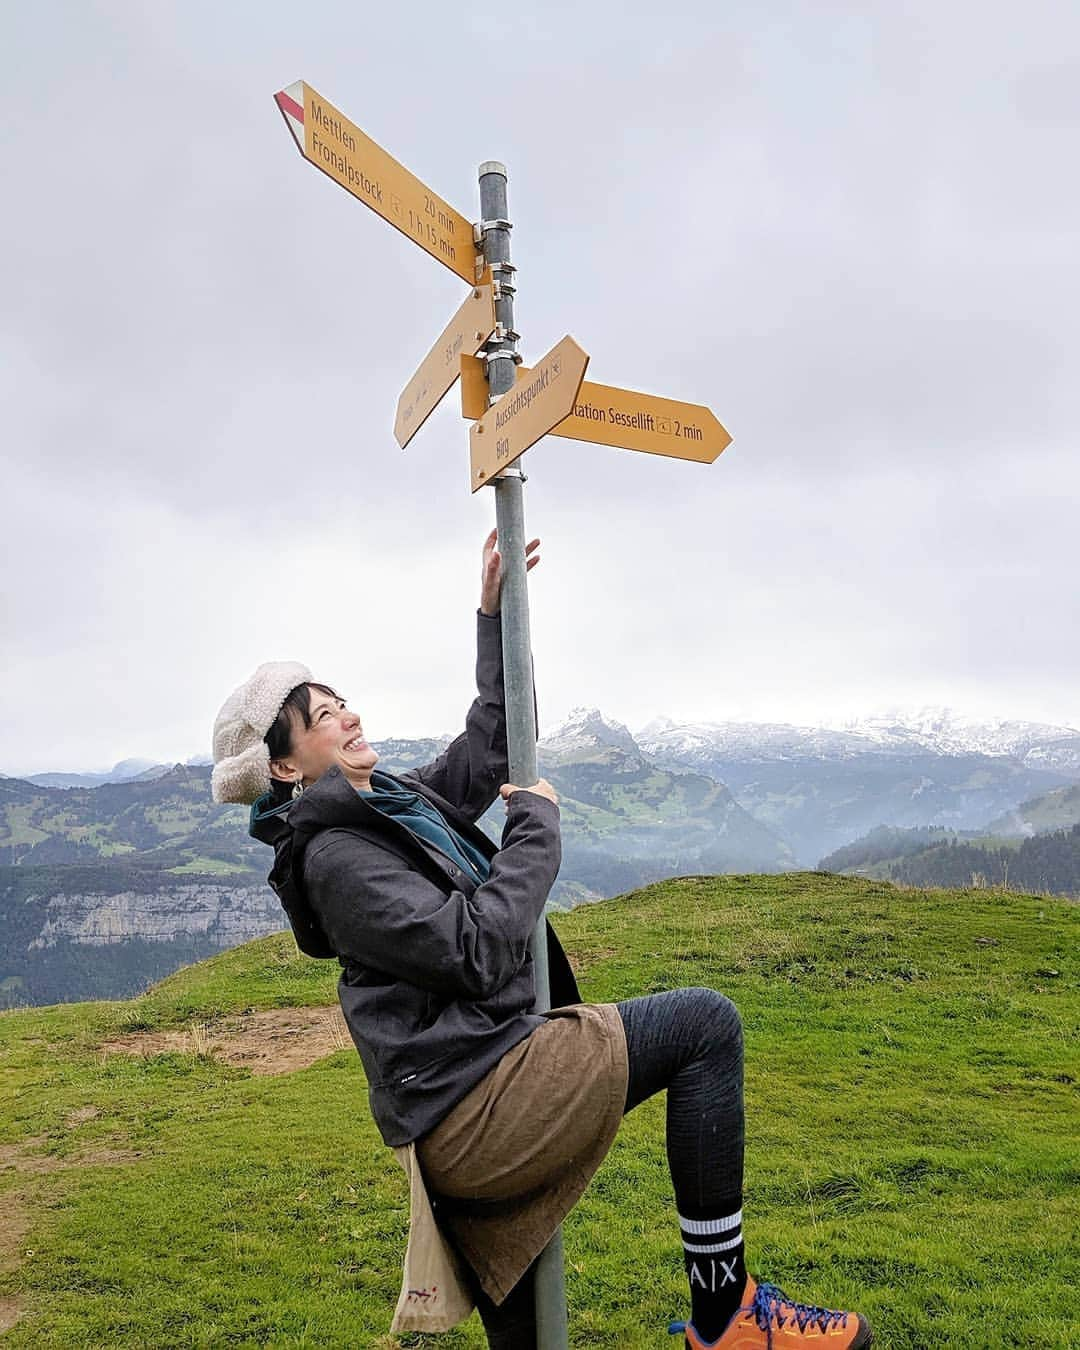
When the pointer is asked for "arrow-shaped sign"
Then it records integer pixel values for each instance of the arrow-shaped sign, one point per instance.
(465, 334)
(337, 146)
(607, 415)
(518, 419)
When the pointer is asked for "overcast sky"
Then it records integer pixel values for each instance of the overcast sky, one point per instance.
(850, 229)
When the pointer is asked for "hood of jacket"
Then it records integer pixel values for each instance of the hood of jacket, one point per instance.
(333, 803)
(271, 825)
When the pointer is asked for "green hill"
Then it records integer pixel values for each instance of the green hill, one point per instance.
(872, 854)
(168, 822)
(1046, 863)
(912, 1104)
(1057, 810)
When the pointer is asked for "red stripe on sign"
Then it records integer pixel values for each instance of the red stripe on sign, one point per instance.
(290, 106)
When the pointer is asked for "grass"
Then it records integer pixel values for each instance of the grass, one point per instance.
(911, 1097)
(202, 866)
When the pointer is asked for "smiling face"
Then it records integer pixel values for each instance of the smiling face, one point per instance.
(334, 736)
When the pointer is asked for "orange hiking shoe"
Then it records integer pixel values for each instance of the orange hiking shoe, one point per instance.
(769, 1320)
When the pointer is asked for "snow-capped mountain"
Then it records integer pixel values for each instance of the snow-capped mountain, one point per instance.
(626, 818)
(940, 731)
(585, 730)
(1035, 744)
(703, 742)
(814, 786)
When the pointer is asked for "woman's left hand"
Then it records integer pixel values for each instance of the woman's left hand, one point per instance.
(491, 572)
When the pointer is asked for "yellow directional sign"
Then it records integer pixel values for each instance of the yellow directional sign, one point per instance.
(624, 418)
(535, 404)
(465, 334)
(633, 421)
(337, 146)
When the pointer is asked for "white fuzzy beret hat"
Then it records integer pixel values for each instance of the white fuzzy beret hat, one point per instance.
(241, 756)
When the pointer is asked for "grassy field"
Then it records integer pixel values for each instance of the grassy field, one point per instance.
(912, 1106)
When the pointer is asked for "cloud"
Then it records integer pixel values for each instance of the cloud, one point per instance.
(847, 230)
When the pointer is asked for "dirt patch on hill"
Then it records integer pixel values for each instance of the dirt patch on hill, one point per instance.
(13, 1156)
(271, 1042)
(80, 1116)
(14, 1228)
(27, 1159)
(580, 964)
(11, 1309)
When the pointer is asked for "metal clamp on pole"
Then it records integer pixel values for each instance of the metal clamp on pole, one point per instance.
(500, 364)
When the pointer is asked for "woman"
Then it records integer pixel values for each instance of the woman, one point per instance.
(508, 1113)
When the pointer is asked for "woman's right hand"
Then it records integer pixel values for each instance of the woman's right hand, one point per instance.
(541, 787)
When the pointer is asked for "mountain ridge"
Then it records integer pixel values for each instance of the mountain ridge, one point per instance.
(939, 730)
(935, 727)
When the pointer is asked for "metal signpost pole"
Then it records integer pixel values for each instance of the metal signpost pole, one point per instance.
(501, 361)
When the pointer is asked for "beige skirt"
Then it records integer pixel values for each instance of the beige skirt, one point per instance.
(511, 1160)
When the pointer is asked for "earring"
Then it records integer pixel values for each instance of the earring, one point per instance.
(298, 788)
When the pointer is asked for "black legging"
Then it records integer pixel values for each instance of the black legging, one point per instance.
(690, 1042)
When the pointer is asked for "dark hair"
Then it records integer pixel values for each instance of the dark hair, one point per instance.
(296, 708)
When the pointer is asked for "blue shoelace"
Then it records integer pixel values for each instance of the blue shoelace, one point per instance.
(766, 1310)
(769, 1300)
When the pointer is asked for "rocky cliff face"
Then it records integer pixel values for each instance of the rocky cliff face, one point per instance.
(109, 929)
(223, 915)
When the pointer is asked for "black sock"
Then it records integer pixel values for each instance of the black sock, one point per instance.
(715, 1268)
